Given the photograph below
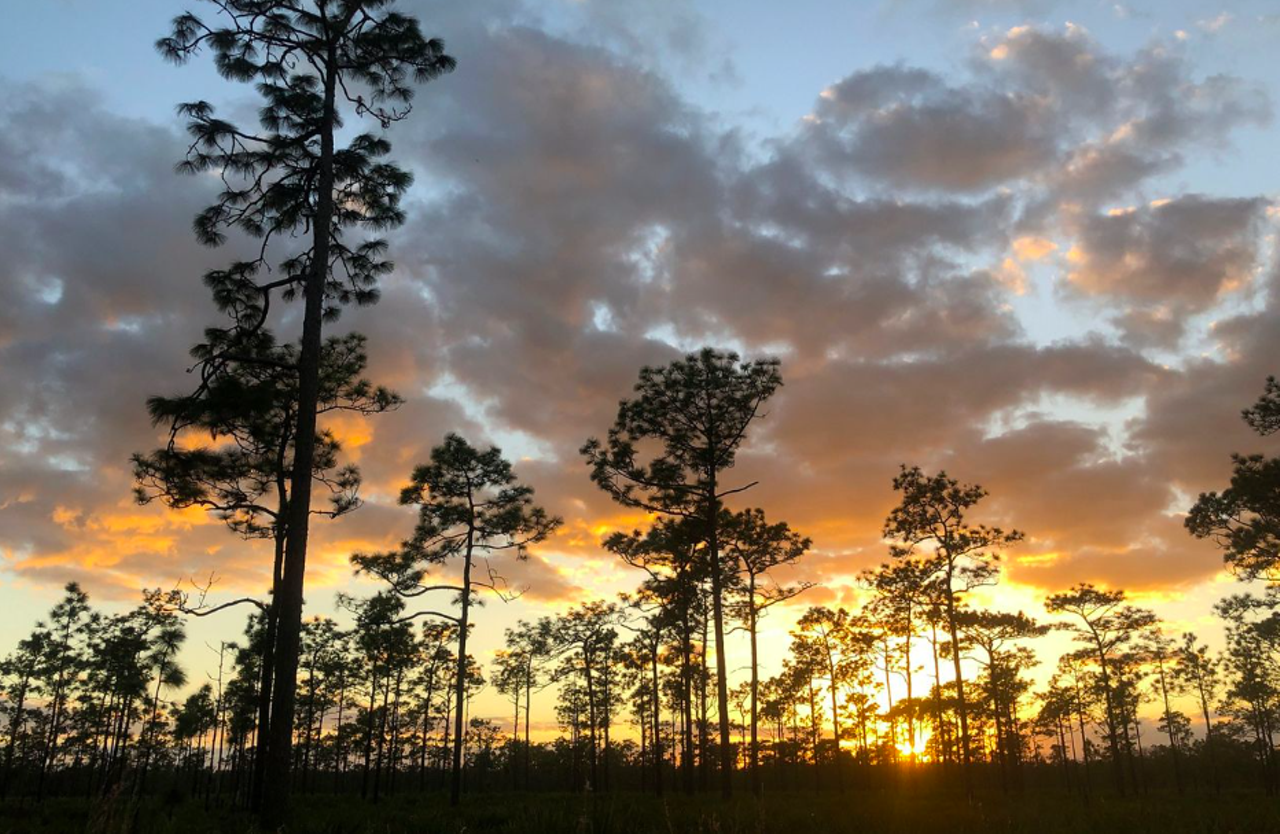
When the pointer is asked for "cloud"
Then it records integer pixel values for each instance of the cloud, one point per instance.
(1043, 106)
(1167, 260)
(967, 8)
(907, 128)
(576, 218)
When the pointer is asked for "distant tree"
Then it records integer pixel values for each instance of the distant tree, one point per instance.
(697, 411)
(518, 673)
(994, 633)
(193, 722)
(820, 636)
(585, 637)
(1160, 651)
(290, 180)
(1054, 720)
(932, 513)
(323, 647)
(1244, 518)
(69, 626)
(643, 656)
(1104, 623)
(470, 505)
(1252, 691)
(903, 592)
(1197, 670)
(20, 670)
(756, 547)
(165, 636)
(673, 555)
(436, 661)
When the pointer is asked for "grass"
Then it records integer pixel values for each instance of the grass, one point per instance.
(798, 813)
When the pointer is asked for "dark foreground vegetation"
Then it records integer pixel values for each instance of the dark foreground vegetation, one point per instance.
(886, 811)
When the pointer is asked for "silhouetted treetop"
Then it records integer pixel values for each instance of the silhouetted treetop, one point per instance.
(1244, 519)
(695, 412)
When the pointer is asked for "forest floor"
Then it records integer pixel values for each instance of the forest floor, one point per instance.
(798, 813)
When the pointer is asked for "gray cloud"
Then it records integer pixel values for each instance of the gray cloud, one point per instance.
(576, 218)
(1168, 260)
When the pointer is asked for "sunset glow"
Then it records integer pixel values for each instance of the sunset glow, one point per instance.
(957, 317)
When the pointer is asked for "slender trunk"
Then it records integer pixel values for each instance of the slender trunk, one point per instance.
(218, 740)
(1208, 731)
(888, 699)
(1113, 731)
(528, 698)
(1062, 753)
(55, 714)
(258, 788)
(752, 625)
(339, 749)
(1168, 726)
(607, 717)
(911, 712)
(446, 745)
(962, 708)
(722, 672)
(657, 719)
(1002, 763)
(1139, 779)
(704, 715)
(423, 732)
(591, 722)
(383, 715)
(460, 681)
(368, 734)
(17, 723)
(814, 733)
(308, 734)
(289, 626)
(1084, 741)
(835, 719)
(686, 672)
(943, 744)
(395, 732)
(151, 725)
(515, 739)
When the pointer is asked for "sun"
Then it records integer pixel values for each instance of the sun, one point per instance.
(918, 751)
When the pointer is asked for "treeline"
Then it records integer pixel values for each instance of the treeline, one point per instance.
(94, 705)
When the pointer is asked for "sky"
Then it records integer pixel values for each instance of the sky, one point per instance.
(1032, 243)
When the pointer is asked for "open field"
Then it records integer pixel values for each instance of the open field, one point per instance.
(900, 813)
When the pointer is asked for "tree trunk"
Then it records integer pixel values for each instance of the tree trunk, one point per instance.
(1168, 725)
(911, 709)
(528, 697)
(722, 673)
(657, 720)
(258, 788)
(591, 722)
(1113, 733)
(368, 734)
(1208, 731)
(962, 707)
(835, 720)
(943, 743)
(289, 626)
(460, 681)
(686, 718)
(752, 625)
